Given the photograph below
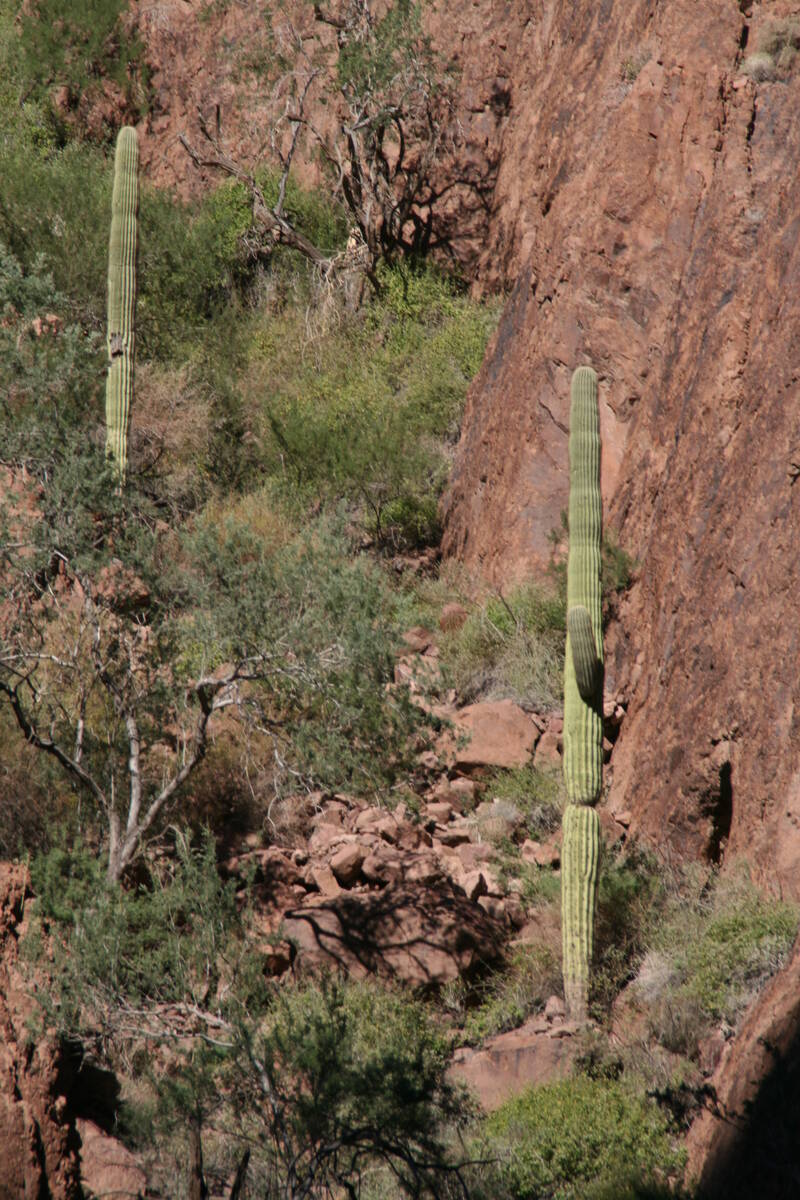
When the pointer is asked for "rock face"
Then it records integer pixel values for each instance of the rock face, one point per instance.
(745, 1144)
(646, 206)
(38, 1140)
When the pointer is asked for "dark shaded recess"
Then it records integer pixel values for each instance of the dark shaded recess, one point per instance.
(719, 806)
(92, 1092)
(764, 1161)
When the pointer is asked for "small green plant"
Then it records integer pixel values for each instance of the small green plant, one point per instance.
(77, 44)
(364, 412)
(632, 64)
(631, 898)
(537, 794)
(717, 944)
(776, 50)
(581, 1137)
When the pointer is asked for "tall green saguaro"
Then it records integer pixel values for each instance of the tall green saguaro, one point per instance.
(122, 298)
(583, 694)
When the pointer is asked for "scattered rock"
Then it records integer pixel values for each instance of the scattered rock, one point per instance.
(346, 863)
(417, 639)
(548, 751)
(547, 854)
(439, 811)
(472, 854)
(495, 907)
(555, 1009)
(474, 885)
(278, 958)
(452, 617)
(325, 881)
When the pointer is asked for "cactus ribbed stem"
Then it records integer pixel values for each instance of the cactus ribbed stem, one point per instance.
(583, 694)
(580, 854)
(122, 298)
(584, 656)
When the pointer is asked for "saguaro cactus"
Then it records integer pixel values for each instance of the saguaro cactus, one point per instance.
(122, 297)
(583, 694)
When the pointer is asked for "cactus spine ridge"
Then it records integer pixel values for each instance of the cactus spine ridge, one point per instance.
(122, 298)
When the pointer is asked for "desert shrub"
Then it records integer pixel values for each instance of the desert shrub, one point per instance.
(580, 1137)
(632, 64)
(780, 39)
(192, 258)
(630, 898)
(538, 795)
(356, 1077)
(760, 67)
(719, 941)
(327, 613)
(363, 411)
(49, 374)
(509, 997)
(510, 646)
(169, 942)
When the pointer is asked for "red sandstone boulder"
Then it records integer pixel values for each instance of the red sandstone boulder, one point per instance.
(107, 1167)
(509, 1063)
(417, 935)
(495, 733)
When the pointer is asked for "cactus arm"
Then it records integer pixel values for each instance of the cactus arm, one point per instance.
(122, 298)
(583, 695)
(585, 660)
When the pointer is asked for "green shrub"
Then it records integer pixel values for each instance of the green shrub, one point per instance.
(719, 942)
(169, 942)
(578, 1138)
(629, 901)
(327, 614)
(363, 411)
(537, 794)
(510, 647)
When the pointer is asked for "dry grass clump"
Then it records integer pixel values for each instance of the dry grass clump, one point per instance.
(510, 647)
(776, 49)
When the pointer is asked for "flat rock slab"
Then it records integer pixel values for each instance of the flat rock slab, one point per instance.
(420, 936)
(511, 1062)
(495, 734)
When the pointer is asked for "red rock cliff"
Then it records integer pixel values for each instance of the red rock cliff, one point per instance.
(651, 227)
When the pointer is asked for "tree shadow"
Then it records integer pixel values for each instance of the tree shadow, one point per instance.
(424, 936)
